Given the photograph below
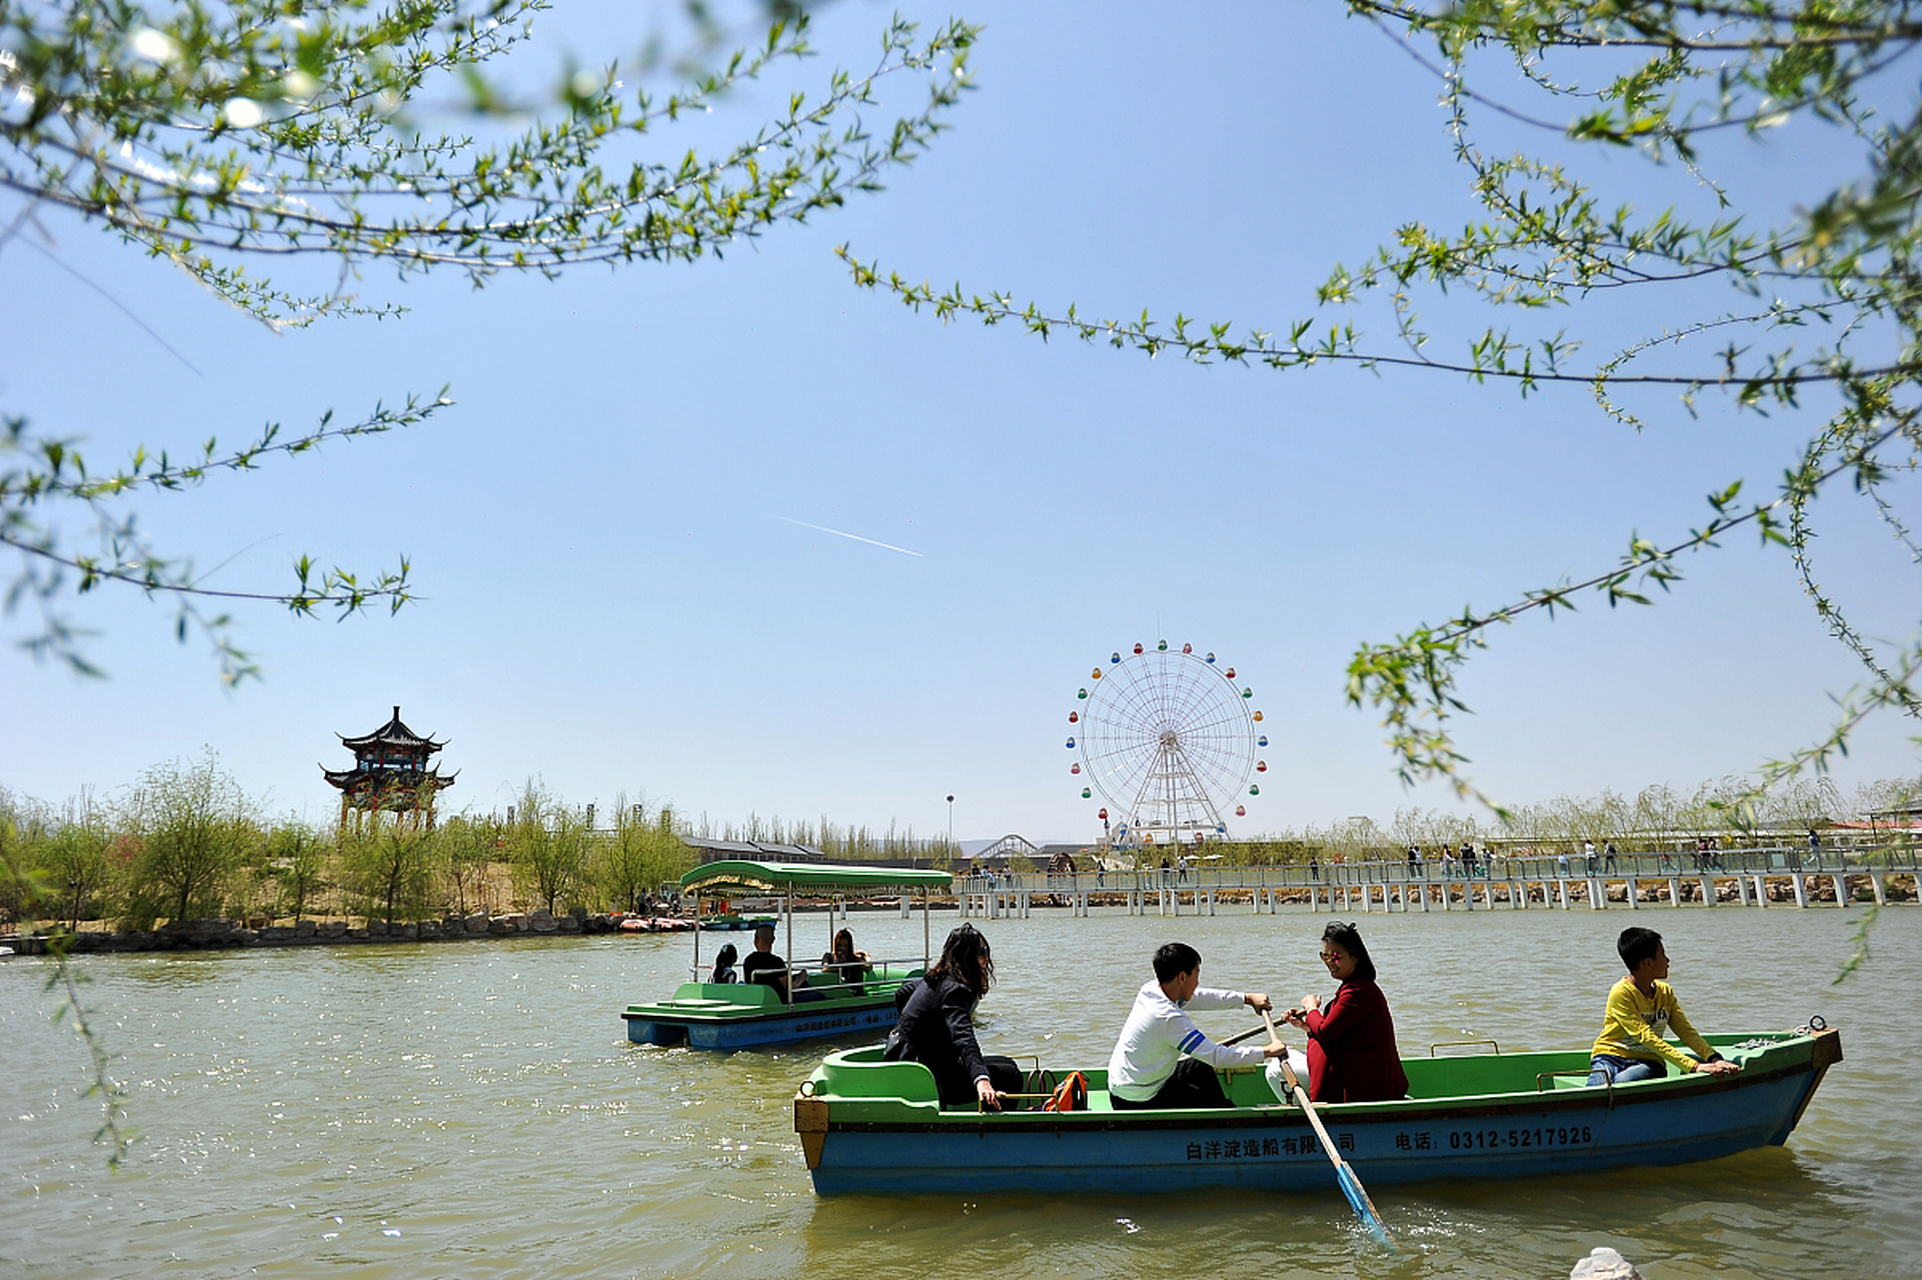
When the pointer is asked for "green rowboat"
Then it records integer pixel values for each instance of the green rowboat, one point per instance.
(874, 1127)
(710, 1015)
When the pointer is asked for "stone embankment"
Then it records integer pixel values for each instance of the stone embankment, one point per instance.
(200, 935)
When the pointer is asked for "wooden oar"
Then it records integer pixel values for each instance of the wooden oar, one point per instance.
(1350, 1185)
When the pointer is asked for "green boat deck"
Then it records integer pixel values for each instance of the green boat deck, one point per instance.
(855, 1077)
(724, 999)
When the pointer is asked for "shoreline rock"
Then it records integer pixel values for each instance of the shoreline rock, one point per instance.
(219, 933)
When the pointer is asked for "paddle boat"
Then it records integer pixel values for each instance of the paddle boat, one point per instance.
(735, 924)
(655, 924)
(826, 1002)
(874, 1127)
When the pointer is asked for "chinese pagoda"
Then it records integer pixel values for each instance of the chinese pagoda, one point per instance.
(390, 772)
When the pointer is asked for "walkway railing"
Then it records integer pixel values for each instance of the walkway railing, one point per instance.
(1392, 882)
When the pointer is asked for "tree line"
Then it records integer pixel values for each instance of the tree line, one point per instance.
(1654, 819)
(844, 842)
(186, 842)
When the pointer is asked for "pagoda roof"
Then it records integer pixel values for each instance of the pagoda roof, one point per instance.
(349, 779)
(391, 734)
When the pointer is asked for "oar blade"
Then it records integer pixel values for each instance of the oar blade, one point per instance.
(1364, 1207)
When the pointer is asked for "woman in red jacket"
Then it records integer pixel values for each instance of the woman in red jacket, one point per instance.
(1351, 1046)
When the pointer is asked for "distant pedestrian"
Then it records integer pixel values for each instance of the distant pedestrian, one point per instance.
(1608, 856)
(1589, 865)
(1815, 850)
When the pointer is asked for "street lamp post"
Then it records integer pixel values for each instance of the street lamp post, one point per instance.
(950, 826)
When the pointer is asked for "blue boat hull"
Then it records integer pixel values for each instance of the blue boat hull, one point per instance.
(1272, 1147)
(744, 1016)
(807, 1022)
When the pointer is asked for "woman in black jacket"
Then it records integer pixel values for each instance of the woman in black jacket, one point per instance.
(936, 1027)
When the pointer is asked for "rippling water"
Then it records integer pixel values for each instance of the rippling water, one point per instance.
(474, 1110)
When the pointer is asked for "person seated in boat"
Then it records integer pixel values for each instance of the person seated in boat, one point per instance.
(1162, 1058)
(936, 1025)
(1641, 1007)
(1351, 1045)
(724, 970)
(844, 962)
(763, 965)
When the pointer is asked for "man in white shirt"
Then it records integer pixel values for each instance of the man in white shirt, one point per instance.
(1162, 1058)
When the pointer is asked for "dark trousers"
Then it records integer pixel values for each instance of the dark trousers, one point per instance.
(1194, 1084)
(957, 1089)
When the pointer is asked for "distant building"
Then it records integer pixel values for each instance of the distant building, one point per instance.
(392, 773)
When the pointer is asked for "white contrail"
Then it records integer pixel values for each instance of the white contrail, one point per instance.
(886, 546)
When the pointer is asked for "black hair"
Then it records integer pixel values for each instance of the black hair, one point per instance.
(764, 927)
(965, 956)
(836, 952)
(726, 957)
(1348, 938)
(1636, 945)
(1173, 959)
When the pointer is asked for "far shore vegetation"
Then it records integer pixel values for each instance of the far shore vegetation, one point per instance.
(185, 842)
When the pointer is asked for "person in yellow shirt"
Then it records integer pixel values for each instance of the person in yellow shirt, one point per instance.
(1641, 1009)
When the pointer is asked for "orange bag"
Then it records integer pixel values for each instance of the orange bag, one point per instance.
(1070, 1095)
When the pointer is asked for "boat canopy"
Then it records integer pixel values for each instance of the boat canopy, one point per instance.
(739, 877)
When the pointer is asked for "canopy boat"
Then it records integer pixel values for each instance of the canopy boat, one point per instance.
(874, 1127)
(831, 1001)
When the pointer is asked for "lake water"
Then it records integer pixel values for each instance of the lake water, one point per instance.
(475, 1110)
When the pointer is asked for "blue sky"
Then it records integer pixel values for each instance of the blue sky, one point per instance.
(610, 527)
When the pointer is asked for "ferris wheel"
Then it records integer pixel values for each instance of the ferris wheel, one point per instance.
(1170, 740)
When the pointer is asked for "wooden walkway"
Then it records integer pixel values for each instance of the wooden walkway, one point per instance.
(1749, 878)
